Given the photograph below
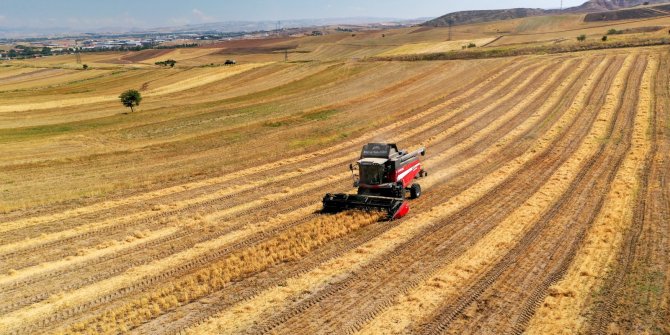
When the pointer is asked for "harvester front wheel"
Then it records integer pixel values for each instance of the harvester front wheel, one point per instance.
(415, 191)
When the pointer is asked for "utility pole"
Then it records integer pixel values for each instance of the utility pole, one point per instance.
(77, 55)
(561, 5)
(451, 23)
(286, 55)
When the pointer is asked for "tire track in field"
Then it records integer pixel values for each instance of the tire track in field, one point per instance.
(493, 77)
(348, 248)
(214, 183)
(345, 157)
(412, 330)
(217, 299)
(88, 236)
(450, 278)
(404, 267)
(399, 235)
(556, 236)
(632, 295)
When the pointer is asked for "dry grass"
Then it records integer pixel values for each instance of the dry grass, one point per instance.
(289, 246)
(427, 48)
(455, 276)
(562, 311)
(214, 149)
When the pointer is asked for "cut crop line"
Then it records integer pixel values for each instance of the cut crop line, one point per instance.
(606, 234)
(235, 320)
(441, 175)
(604, 126)
(7, 226)
(290, 245)
(87, 255)
(449, 281)
(176, 87)
(426, 249)
(183, 204)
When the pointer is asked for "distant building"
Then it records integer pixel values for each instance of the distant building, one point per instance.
(317, 33)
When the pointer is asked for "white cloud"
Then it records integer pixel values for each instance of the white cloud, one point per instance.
(202, 17)
(3, 19)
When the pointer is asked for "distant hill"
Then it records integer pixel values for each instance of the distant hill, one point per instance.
(479, 16)
(629, 14)
(606, 5)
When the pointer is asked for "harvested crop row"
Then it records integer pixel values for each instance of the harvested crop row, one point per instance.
(634, 294)
(563, 310)
(289, 246)
(448, 281)
(240, 317)
(166, 320)
(192, 187)
(405, 266)
(115, 222)
(555, 236)
(428, 161)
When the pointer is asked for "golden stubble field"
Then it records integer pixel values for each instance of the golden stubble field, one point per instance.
(547, 209)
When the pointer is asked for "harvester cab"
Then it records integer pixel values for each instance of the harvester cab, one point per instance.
(385, 176)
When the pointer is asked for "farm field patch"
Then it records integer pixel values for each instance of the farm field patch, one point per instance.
(545, 211)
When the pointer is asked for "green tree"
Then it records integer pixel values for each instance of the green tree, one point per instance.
(131, 98)
(85, 66)
(46, 51)
(12, 53)
(581, 38)
(169, 62)
(604, 38)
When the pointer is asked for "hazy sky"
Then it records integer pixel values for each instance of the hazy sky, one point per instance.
(84, 14)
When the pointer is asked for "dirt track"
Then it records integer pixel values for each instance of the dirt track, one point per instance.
(522, 164)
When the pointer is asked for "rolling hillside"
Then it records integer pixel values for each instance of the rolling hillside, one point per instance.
(546, 209)
(479, 16)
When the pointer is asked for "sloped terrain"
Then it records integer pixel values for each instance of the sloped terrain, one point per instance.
(629, 14)
(546, 208)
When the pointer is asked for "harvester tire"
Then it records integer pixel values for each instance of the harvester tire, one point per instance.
(415, 191)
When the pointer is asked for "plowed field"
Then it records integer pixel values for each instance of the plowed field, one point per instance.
(546, 210)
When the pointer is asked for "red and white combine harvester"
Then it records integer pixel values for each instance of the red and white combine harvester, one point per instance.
(385, 176)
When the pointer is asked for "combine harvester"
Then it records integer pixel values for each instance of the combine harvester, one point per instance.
(385, 176)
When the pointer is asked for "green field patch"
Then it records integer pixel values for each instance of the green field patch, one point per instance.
(32, 132)
(276, 124)
(319, 137)
(320, 115)
(328, 76)
(28, 133)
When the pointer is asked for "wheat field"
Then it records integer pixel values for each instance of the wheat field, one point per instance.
(546, 210)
